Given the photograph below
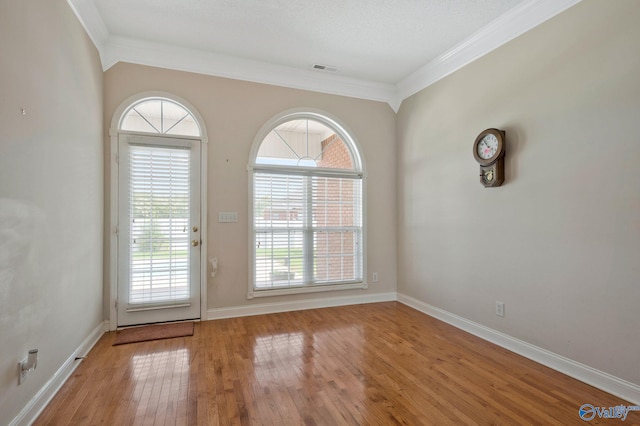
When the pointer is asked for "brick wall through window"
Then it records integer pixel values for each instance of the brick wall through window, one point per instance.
(334, 252)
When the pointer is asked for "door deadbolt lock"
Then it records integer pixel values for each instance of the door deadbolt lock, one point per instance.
(195, 243)
(194, 229)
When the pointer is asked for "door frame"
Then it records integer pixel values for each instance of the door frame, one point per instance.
(114, 134)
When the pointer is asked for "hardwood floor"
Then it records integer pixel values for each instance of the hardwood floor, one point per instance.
(375, 364)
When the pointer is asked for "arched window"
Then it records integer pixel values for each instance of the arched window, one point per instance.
(158, 249)
(306, 187)
(159, 115)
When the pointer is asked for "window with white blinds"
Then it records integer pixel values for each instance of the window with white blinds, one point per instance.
(307, 190)
(159, 197)
(308, 229)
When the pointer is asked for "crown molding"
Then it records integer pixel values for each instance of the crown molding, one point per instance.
(121, 49)
(114, 49)
(517, 21)
(89, 17)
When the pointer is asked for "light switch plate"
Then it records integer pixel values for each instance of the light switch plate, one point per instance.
(227, 217)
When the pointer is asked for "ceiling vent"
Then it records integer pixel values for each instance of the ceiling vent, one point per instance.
(329, 68)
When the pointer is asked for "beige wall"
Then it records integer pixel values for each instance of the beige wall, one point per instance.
(51, 198)
(233, 112)
(559, 242)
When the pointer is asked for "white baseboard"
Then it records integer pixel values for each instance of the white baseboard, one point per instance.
(299, 305)
(35, 406)
(599, 379)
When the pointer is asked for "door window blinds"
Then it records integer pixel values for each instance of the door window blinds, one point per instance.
(159, 198)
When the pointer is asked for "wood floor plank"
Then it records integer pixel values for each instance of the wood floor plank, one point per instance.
(374, 364)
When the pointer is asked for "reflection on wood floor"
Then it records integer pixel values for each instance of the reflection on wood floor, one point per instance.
(374, 364)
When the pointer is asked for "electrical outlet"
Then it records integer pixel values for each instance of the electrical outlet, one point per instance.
(22, 374)
(375, 277)
(27, 365)
(500, 309)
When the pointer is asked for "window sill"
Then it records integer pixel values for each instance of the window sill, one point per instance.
(305, 289)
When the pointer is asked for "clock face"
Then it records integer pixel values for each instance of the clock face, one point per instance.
(487, 147)
(489, 151)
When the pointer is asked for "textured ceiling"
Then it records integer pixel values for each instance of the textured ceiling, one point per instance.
(374, 40)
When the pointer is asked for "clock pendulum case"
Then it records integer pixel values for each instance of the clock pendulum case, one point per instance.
(489, 150)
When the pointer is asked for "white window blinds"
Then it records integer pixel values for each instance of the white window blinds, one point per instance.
(159, 213)
(307, 228)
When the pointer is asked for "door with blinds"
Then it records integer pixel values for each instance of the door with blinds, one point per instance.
(159, 229)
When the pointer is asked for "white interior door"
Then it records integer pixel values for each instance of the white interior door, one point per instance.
(158, 229)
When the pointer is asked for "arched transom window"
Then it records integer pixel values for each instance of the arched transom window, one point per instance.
(307, 213)
(159, 115)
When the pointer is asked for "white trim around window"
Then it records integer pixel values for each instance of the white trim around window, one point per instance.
(114, 132)
(303, 277)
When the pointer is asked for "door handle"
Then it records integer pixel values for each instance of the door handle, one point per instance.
(195, 243)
